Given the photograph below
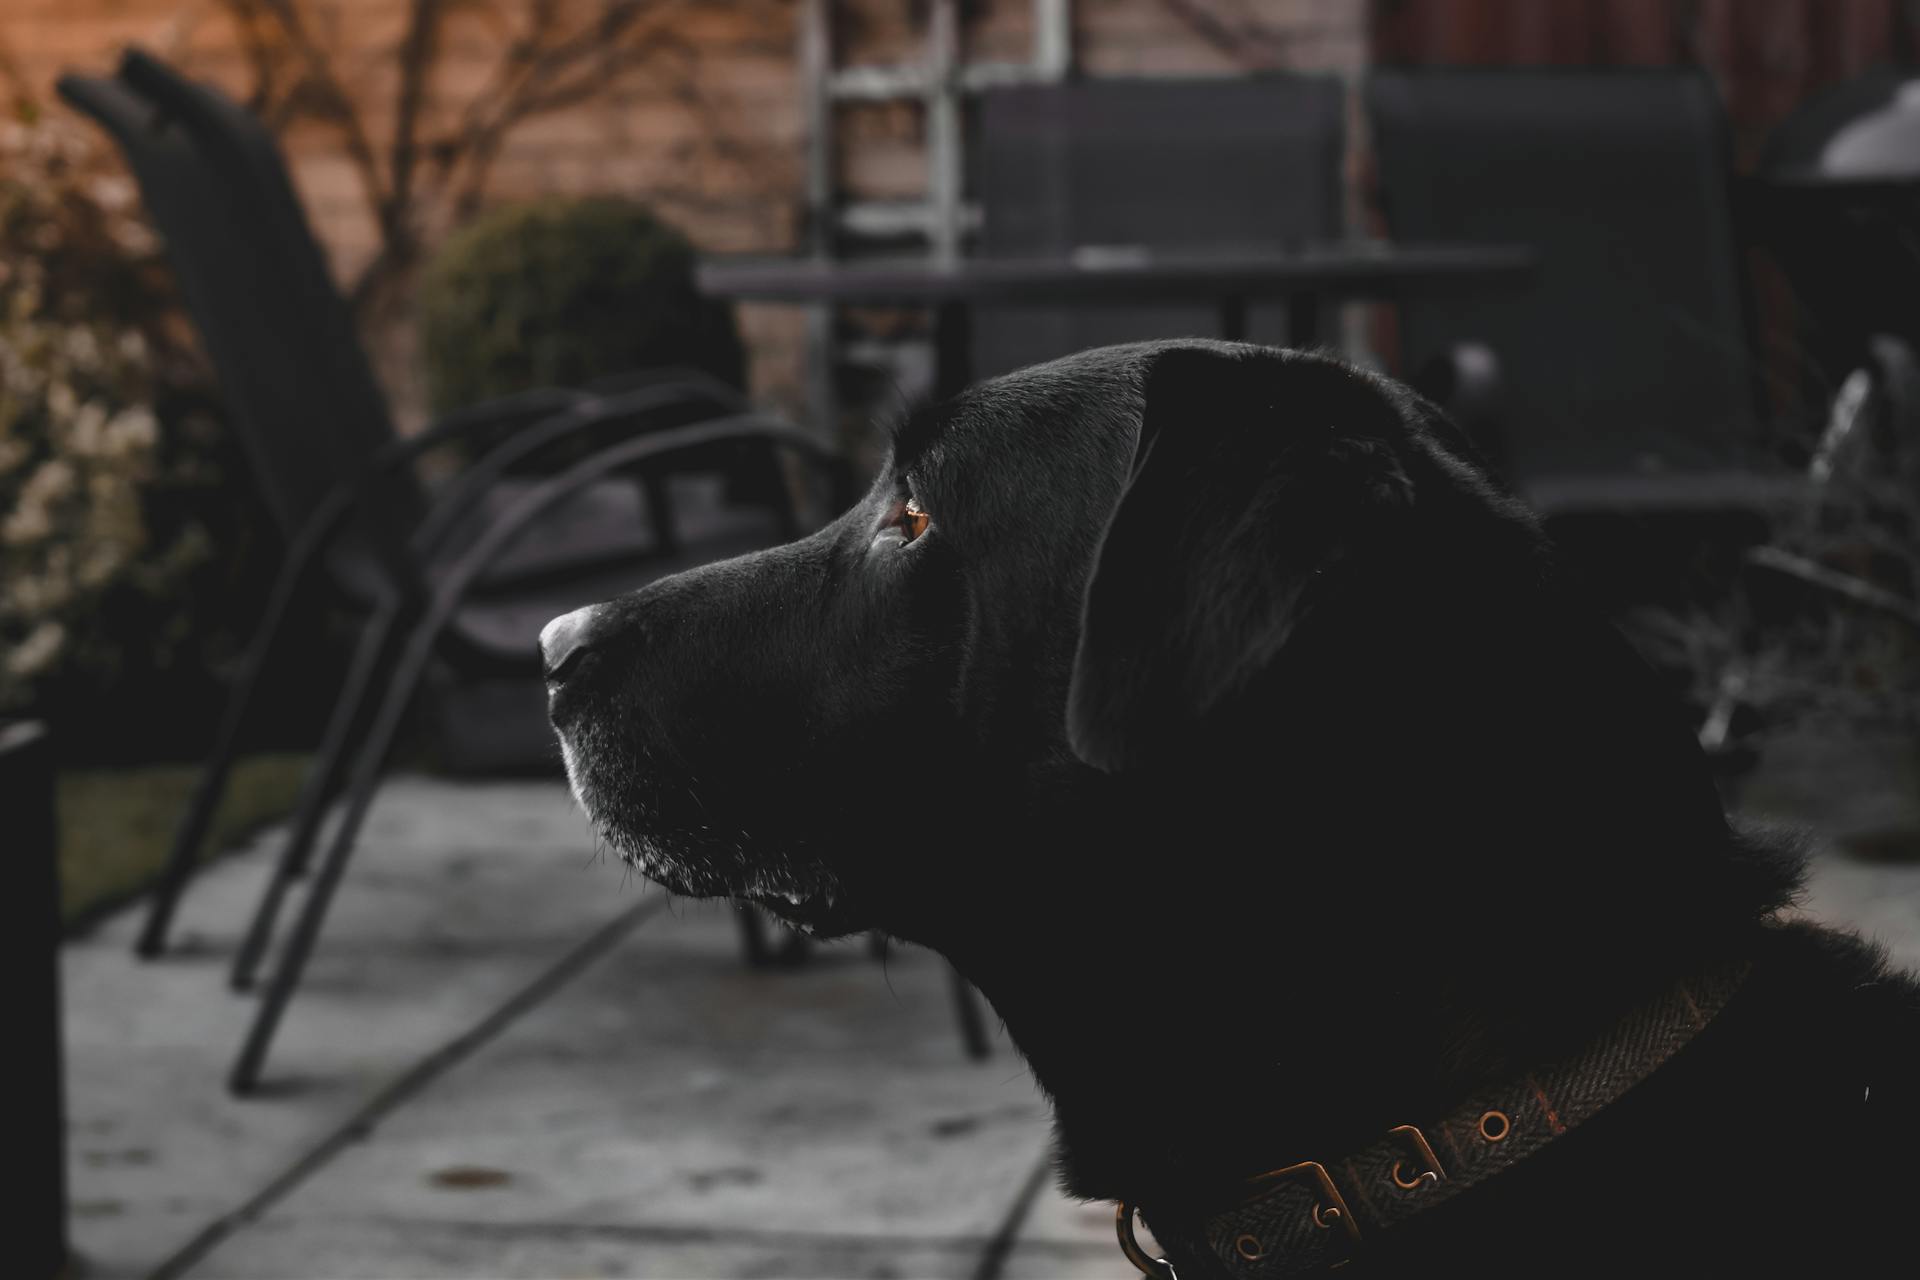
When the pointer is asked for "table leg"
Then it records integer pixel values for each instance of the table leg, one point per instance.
(1303, 320)
(1233, 318)
(952, 349)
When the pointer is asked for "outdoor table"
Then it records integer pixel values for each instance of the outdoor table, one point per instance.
(1306, 278)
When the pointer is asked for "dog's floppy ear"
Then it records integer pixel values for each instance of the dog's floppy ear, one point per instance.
(1255, 474)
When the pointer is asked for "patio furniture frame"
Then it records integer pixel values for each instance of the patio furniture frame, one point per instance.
(175, 180)
(178, 136)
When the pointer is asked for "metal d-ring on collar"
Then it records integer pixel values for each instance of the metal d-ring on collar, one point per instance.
(1156, 1268)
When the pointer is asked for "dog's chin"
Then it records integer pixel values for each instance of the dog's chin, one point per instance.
(819, 914)
(695, 861)
(801, 895)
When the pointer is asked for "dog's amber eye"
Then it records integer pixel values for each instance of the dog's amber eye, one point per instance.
(913, 521)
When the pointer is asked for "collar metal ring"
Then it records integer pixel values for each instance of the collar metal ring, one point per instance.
(1150, 1266)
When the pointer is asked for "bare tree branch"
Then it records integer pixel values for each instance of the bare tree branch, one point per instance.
(1247, 40)
(416, 61)
(546, 64)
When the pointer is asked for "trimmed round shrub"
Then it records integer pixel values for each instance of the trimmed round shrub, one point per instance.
(561, 291)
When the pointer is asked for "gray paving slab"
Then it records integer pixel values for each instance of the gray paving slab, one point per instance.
(664, 1113)
(458, 897)
(667, 1113)
(674, 1114)
(1856, 798)
(364, 1249)
(1066, 1239)
(1880, 900)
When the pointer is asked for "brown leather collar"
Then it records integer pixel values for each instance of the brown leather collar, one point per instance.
(1315, 1215)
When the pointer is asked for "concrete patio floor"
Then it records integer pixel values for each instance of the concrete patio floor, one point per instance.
(511, 1060)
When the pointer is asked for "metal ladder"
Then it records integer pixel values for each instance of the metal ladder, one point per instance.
(943, 218)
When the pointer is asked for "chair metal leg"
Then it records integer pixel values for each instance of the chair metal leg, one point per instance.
(753, 936)
(191, 832)
(791, 952)
(406, 677)
(322, 783)
(973, 1024)
(794, 948)
(313, 913)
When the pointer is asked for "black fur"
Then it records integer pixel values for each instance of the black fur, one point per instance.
(1240, 741)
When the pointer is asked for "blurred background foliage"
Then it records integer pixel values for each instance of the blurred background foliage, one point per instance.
(130, 544)
(1817, 629)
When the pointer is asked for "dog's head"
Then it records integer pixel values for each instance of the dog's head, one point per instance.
(1154, 663)
(791, 726)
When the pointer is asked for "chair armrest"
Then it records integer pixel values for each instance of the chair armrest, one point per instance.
(502, 415)
(645, 410)
(693, 379)
(510, 412)
(340, 502)
(528, 507)
(526, 411)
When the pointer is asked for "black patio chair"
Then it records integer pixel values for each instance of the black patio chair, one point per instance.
(341, 480)
(322, 446)
(1124, 165)
(1625, 376)
(357, 518)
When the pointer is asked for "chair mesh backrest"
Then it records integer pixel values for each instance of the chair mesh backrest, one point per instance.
(281, 338)
(1630, 349)
(1171, 165)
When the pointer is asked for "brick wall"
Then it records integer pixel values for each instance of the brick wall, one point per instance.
(695, 106)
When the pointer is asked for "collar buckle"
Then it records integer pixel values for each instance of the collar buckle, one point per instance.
(1330, 1211)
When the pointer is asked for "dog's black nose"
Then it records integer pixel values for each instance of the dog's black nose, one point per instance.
(563, 642)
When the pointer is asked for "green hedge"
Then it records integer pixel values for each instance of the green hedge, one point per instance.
(561, 291)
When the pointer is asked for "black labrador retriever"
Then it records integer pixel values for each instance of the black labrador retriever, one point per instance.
(1356, 895)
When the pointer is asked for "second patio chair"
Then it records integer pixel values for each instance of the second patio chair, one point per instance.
(1156, 165)
(1621, 395)
(1626, 374)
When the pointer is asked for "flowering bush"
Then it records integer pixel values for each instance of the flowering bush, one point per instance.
(77, 440)
(111, 462)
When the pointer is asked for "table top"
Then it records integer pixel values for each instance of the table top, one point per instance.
(1806, 184)
(1350, 269)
